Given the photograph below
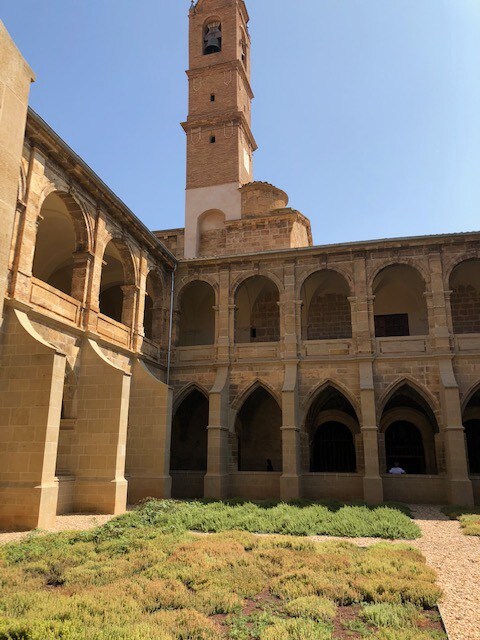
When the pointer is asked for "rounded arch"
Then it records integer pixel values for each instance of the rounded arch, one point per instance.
(196, 323)
(188, 451)
(326, 311)
(152, 314)
(62, 231)
(118, 272)
(243, 277)
(399, 262)
(257, 311)
(400, 307)
(77, 211)
(455, 261)
(258, 432)
(211, 232)
(464, 284)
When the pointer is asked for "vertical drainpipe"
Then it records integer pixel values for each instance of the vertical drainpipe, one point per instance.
(170, 328)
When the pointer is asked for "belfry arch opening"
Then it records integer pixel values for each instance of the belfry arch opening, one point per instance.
(333, 432)
(56, 242)
(400, 307)
(115, 273)
(465, 297)
(408, 432)
(257, 315)
(152, 315)
(326, 313)
(471, 423)
(189, 434)
(258, 428)
(212, 37)
(197, 315)
(211, 233)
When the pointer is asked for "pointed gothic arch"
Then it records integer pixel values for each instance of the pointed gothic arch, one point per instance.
(408, 430)
(258, 429)
(333, 431)
(189, 430)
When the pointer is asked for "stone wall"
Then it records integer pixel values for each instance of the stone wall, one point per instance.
(329, 317)
(465, 301)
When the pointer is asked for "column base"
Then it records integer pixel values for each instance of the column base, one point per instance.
(139, 489)
(28, 507)
(373, 490)
(290, 488)
(100, 496)
(460, 492)
(216, 486)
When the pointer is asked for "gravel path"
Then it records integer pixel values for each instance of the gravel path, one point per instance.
(454, 556)
(71, 522)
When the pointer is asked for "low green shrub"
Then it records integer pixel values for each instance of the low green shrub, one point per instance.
(313, 607)
(391, 616)
(297, 629)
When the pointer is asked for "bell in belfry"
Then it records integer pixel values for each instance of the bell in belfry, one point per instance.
(213, 39)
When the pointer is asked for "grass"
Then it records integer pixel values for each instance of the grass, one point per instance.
(301, 518)
(133, 579)
(469, 518)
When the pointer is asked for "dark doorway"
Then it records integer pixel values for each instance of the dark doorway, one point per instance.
(333, 449)
(404, 445)
(189, 434)
(472, 434)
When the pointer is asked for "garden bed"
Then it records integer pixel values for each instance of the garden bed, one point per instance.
(136, 582)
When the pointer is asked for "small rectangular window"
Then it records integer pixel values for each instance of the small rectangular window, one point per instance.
(212, 139)
(253, 333)
(395, 324)
(212, 97)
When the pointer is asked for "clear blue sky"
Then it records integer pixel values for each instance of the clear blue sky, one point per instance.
(367, 112)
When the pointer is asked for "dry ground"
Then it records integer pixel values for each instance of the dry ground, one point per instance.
(455, 557)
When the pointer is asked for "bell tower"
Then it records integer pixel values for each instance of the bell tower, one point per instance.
(220, 143)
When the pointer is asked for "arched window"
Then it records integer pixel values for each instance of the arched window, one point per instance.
(332, 427)
(117, 272)
(212, 38)
(465, 297)
(258, 431)
(326, 313)
(257, 312)
(56, 242)
(408, 427)
(197, 315)
(189, 434)
(399, 305)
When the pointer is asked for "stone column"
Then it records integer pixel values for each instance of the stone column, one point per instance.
(149, 436)
(223, 317)
(32, 374)
(15, 79)
(82, 264)
(99, 440)
(372, 482)
(291, 338)
(290, 481)
(436, 303)
(362, 307)
(460, 489)
(216, 482)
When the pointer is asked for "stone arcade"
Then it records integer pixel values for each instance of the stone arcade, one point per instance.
(179, 362)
